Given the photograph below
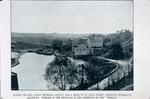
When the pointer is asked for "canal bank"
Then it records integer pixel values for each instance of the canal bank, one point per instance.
(14, 77)
(14, 59)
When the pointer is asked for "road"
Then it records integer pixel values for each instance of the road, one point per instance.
(90, 84)
(125, 66)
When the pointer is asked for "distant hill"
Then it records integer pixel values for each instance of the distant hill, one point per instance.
(36, 38)
(48, 35)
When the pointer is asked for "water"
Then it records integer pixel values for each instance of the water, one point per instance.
(30, 71)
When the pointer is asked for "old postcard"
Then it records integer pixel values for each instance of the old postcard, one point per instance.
(71, 50)
(72, 45)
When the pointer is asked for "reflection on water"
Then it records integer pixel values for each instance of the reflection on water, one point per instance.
(30, 71)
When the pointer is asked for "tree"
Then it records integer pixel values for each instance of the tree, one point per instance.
(57, 45)
(94, 70)
(94, 73)
(62, 73)
(117, 51)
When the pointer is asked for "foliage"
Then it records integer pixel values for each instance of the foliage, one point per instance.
(114, 44)
(62, 73)
(57, 45)
(117, 51)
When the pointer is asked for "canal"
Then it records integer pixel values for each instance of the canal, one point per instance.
(30, 71)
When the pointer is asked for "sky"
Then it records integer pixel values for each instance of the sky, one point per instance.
(71, 16)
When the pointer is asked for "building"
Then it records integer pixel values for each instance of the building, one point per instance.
(81, 49)
(93, 45)
(96, 44)
(95, 41)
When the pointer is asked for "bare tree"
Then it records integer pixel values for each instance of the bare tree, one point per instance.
(62, 73)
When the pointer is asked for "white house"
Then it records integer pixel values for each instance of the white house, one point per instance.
(88, 46)
(95, 41)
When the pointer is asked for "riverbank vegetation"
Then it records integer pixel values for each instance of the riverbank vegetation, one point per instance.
(64, 74)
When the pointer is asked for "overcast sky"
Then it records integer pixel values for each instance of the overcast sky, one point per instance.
(71, 16)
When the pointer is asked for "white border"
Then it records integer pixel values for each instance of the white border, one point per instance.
(141, 54)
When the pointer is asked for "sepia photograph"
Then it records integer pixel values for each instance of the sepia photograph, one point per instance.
(72, 45)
